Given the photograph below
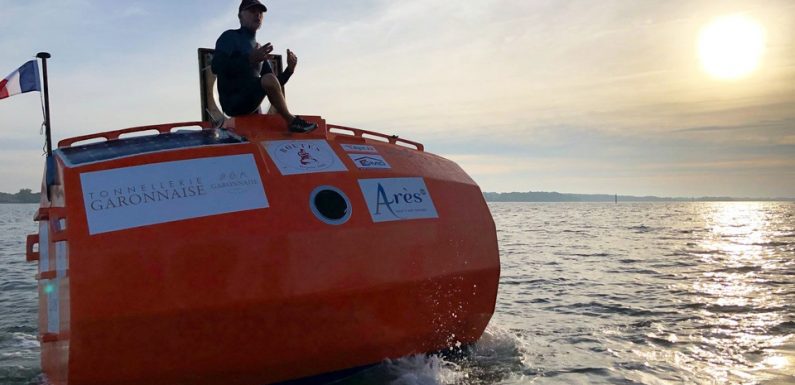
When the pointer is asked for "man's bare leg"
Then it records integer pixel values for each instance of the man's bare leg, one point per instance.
(276, 97)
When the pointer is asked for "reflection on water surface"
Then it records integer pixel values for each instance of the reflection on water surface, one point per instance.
(655, 293)
(738, 293)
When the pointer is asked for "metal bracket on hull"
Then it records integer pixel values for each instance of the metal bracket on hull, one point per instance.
(48, 337)
(30, 255)
(52, 274)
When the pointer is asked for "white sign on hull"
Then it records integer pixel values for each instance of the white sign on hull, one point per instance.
(156, 193)
(369, 162)
(397, 199)
(294, 157)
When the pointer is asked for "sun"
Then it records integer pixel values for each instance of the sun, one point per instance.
(731, 47)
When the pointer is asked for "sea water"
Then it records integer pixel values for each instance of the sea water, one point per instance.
(590, 293)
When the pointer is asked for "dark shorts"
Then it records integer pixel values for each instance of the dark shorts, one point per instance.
(246, 99)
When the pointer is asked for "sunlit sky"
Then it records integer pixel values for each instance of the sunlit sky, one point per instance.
(571, 96)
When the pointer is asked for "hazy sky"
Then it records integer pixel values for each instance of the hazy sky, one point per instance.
(574, 96)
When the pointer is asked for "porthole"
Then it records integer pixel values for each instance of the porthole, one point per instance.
(330, 205)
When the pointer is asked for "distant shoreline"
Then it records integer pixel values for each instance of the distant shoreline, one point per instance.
(27, 196)
(24, 195)
(539, 196)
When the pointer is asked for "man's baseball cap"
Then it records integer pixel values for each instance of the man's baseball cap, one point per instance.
(246, 4)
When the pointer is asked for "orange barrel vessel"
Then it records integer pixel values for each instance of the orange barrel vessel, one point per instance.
(249, 255)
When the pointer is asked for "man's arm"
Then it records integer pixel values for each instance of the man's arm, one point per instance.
(292, 61)
(227, 59)
(285, 76)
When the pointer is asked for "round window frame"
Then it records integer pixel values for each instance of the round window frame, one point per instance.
(320, 216)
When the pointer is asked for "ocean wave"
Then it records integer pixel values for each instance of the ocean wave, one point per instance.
(20, 375)
(602, 308)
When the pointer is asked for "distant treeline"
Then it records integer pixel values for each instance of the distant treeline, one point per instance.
(25, 195)
(538, 196)
(28, 196)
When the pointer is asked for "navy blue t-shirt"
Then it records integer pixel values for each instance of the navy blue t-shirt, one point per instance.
(238, 80)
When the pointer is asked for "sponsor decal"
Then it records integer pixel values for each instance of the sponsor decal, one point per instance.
(397, 199)
(150, 194)
(359, 148)
(367, 162)
(303, 156)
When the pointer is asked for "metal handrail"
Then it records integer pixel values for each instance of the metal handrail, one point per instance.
(113, 135)
(392, 139)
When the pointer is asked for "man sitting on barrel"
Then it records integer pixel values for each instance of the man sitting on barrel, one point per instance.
(244, 75)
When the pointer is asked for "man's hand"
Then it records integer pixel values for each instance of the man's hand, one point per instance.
(260, 53)
(292, 61)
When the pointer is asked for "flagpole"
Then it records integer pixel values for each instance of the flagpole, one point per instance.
(44, 56)
(50, 175)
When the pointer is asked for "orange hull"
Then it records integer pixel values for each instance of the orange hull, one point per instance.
(257, 286)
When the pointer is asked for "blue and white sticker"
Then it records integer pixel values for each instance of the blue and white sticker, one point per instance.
(51, 288)
(397, 199)
(61, 258)
(359, 148)
(294, 157)
(156, 193)
(44, 246)
(369, 161)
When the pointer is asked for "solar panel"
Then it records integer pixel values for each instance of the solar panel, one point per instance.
(112, 149)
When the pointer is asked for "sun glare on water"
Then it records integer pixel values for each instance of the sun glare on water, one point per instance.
(731, 47)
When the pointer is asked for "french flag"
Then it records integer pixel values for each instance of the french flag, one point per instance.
(25, 79)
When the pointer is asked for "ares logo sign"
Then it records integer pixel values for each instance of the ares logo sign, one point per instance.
(303, 156)
(367, 162)
(397, 199)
